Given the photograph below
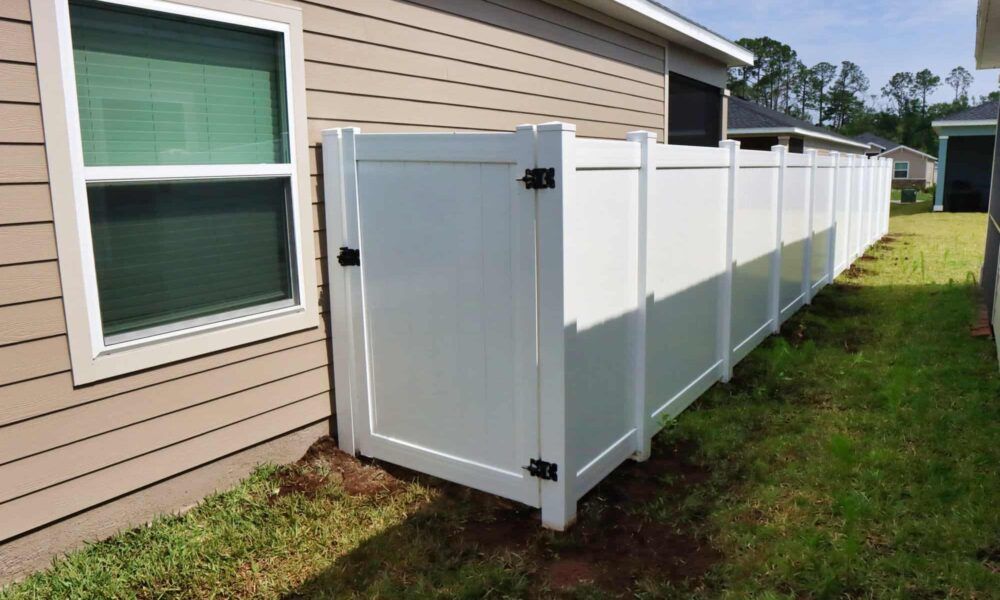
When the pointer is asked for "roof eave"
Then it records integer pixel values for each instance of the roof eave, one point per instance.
(795, 131)
(902, 147)
(964, 123)
(673, 28)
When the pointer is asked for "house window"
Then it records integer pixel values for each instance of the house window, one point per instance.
(694, 112)
(188, 198)
(901, 170)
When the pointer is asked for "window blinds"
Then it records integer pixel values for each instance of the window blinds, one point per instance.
(168, 252)
(158, 89)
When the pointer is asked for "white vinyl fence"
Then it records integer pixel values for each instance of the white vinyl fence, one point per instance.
(527, 341)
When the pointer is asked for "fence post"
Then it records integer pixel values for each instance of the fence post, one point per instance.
(857, 197)
(647, 170)
(340, 195)
(877, 220)
(810, 209)
(831, 257)
(886, 194)
(848, 199)
(779, 207)
(868, 205)
(555, 149)
(872, 192)
(725, 331)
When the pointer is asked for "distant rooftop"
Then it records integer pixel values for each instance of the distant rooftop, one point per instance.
(870, 138)
(983, 112)
(745, 114)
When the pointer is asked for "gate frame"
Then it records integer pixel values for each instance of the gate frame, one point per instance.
(547, 145)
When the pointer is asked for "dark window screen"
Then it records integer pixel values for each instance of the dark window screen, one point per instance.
(695, 112)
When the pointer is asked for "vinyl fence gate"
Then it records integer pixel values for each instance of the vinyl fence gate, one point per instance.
(518, 312)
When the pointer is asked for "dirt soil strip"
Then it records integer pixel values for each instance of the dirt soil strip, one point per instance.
(612, 545)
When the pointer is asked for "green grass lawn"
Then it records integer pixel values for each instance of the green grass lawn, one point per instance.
(855, 456)
(921, 196)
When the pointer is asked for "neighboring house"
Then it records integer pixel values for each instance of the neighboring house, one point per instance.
(876, 144)
(163, 316)
(912, 168)
(759, 128)
(965, 151)
(988, 57)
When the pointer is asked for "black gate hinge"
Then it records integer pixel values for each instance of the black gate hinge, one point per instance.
(539, 178)
(543, 469)
(349, 257)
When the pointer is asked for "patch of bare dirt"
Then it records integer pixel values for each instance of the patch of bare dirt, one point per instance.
(981, 324)
(568, 573)
(324, 463)
(990, 557)
(612, 545)
(855, 271)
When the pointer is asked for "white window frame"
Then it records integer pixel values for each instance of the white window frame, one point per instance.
(91, 357)
(894, 169)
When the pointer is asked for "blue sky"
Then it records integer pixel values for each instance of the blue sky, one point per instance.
(882, 36)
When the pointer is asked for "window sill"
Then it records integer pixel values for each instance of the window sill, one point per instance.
(144, 354)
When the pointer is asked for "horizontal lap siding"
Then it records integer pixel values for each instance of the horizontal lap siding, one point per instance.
(455, 64)
(382, 65)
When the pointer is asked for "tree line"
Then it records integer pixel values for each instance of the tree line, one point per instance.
(841, 96)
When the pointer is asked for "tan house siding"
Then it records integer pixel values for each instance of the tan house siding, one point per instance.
(385, 65)
(476, 66)
(921, 168)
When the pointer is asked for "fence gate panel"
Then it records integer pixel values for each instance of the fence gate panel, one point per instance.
(447, 271)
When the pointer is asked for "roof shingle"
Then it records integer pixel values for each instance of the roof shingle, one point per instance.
(870, 138)
(983, 112)
(745, 114)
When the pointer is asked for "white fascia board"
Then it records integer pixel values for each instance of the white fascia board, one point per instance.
(914, 150)
(795, 131)
(674, 28)
(969, 123)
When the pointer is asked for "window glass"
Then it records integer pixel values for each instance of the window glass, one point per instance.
(901, 170)
(695, 112)
(173, 252)
(159, 89)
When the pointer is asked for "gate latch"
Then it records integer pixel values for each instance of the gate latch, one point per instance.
(539, 178)
(349, 257)
(542, 469)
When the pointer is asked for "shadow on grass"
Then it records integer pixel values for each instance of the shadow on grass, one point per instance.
(469, 544)
(703, 515)
(886, 352)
